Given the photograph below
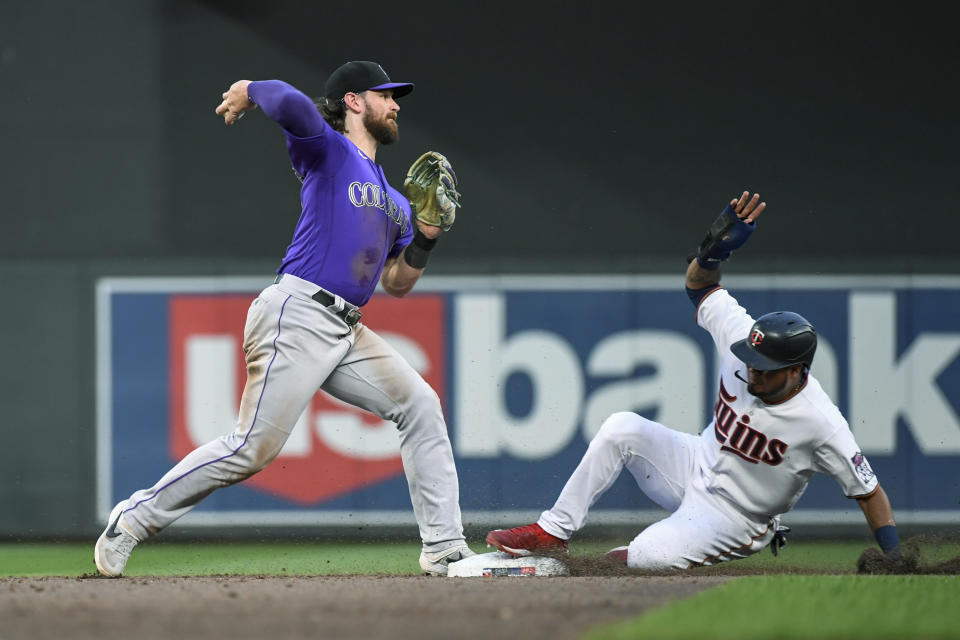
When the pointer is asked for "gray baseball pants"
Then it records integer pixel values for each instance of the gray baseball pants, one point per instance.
(293, 346)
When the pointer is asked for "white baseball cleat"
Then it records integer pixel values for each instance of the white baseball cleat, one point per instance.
(114, 545)
(435, 563)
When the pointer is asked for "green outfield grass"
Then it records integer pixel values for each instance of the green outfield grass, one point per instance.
(369, 557)
(822, 607)
(213, 558)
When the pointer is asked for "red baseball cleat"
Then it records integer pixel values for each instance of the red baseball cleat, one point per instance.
(520, 541)
(618, 555)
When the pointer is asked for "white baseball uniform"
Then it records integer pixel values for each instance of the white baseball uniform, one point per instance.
(727, 487)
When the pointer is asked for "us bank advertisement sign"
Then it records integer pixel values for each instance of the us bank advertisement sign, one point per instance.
(527, 368)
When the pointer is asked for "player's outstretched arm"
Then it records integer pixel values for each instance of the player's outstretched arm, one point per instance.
(889, 559)
(879, 514)
(401, 274)
(399, 278)
(728, 232)
(699, 278)
(283, 103)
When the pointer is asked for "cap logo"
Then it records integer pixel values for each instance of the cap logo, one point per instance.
(756, 337)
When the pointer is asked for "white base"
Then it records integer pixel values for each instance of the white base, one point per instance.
(499, 564)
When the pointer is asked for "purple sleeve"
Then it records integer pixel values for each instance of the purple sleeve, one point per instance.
(288, 107)
(405, 236)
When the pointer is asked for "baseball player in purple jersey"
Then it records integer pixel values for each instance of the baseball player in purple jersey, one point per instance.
(303, 332)
(773, 427)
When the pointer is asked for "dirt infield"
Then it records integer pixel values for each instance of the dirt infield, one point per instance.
(366, 607)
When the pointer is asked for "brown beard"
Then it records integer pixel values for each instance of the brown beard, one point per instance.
(385, 131)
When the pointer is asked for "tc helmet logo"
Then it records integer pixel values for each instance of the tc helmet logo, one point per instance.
(756, 337)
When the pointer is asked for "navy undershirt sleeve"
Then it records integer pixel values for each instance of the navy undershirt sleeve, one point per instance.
(288, 107)
(697, 295)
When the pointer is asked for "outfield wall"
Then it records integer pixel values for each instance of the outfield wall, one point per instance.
(527, 368)
(632, 124)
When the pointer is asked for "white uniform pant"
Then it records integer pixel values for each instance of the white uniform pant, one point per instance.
(670, 467)
(294, 346)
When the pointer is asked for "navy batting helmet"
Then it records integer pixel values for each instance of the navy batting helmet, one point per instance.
(777, 340)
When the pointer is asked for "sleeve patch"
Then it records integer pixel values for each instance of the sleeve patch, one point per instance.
(862, 467)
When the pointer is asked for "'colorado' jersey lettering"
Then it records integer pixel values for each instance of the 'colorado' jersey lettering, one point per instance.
(762, 456)
(366, 195)
(352, 220)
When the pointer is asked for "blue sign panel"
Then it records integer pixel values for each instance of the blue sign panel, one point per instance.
(527, 369)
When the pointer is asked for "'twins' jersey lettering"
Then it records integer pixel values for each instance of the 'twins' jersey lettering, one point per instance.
(736, 436)
(367, 194)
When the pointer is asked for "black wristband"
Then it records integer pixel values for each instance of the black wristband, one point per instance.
(418, 251)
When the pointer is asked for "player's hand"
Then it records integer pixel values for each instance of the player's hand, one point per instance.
(748, 208)
(729, 231)
(779, 540)
(429, 230)
(235, 102)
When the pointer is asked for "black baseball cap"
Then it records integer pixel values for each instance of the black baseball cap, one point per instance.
(362, 75)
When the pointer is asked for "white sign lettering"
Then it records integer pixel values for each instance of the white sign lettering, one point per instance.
(884, 387)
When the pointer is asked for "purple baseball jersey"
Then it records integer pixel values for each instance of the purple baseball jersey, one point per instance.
(352, 221)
